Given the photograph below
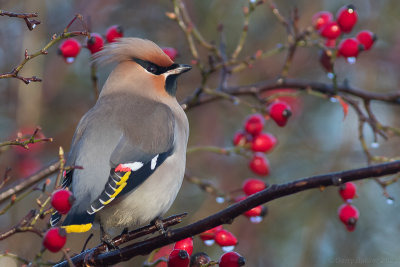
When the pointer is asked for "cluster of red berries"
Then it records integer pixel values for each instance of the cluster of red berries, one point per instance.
(181, 256)
(348, 213)
(70, 48)
(253, 137)
(331, 29)
(55, 238)
(251, 186)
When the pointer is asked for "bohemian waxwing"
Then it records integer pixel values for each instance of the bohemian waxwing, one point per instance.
(131, 144)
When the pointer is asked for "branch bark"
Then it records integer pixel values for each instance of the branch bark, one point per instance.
(324, 88)
(227, 215)
(28, 182)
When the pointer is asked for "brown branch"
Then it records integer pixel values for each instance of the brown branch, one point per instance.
(28, 182)
(145, 230)
(22, 226)
(324, 88)
(30, 23)
(24, 142)
(227, 215)
(55, 39)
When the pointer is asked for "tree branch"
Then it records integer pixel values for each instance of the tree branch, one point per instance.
(30, 23)
(324, 88)
(55, 39)
(28, 182)
(227, 215)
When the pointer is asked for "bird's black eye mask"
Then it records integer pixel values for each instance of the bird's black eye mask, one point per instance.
(153, 68)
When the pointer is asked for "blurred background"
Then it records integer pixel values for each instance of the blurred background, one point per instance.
(300, 230)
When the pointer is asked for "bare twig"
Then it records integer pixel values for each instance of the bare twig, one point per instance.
(27, 17)
(268, 85)
(29, 181)
(24, 142)
(61, 168)
(55, 39)
(22, 226)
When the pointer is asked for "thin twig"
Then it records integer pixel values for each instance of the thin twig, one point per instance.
(44, 51)
(29, 181)
(30, 23)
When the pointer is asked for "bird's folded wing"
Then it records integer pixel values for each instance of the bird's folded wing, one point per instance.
(145, 144)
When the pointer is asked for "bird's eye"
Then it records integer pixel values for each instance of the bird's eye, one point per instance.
(152, 69)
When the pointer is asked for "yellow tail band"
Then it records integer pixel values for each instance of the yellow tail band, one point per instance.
(77, 228)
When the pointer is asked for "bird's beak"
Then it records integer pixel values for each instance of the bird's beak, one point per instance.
(179, 69)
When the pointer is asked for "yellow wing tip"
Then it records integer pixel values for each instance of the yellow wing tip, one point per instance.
(77, 228)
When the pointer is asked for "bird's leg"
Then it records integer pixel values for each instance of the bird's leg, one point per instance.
(159, 224)
(106, 239)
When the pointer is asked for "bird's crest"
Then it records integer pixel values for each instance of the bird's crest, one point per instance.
(129, 48)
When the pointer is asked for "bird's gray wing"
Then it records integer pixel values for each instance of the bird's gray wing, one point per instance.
(147, 141)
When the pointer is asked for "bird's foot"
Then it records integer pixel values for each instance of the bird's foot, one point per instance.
(160, 226)
(106, 239)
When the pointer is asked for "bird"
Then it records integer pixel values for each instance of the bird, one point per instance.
(131, 144)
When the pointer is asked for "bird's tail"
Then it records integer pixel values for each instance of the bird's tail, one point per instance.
(75, 222)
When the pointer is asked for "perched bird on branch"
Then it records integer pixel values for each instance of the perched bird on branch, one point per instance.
(131, 144)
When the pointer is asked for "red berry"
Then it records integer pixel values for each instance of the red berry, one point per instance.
(254, 124)
(330, 30)
(95, 43)
(350, 47)
(348, 191)
(258, 211)
(259, 164)
(171, 52)
(348, 214)
(185, 244)
(252, 186)
(321, 18)
(62, 200)
(240, 138)
(346, 18)
(263, 142)
(113, 33)
(325, 60)
(210, 234)
(178, 258)
(254, 212)
(69, 49)
(280, 112)
(366, 38)
(55, 239)
(231, 259)
(225, 238)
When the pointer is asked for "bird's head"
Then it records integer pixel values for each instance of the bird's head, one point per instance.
(142, 67)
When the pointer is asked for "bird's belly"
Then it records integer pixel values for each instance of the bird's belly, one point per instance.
(151, 199)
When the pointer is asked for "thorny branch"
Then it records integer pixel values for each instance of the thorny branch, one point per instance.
(27, 17)
(227, 215)
(14, 73)
(24, 142)
(29, 181)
